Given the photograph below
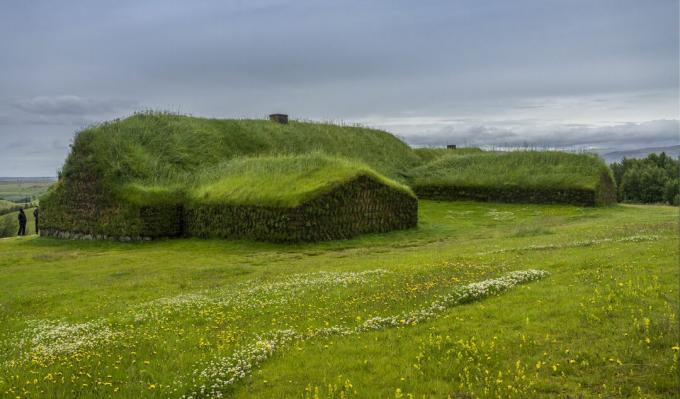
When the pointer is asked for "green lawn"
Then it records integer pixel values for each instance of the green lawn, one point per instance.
(243, 319)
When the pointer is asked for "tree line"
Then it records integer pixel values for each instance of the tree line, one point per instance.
(649, 180)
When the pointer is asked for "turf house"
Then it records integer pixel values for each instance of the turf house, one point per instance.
(157, 175)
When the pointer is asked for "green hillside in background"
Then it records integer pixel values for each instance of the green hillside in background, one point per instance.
(23, 189)
(8, 206)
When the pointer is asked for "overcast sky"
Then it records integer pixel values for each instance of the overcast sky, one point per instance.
(582, 74)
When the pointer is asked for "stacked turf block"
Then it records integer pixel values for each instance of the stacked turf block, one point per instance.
(361, 205)
(511, 194)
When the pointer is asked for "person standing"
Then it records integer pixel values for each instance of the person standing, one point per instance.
(36, 214)
(22, 222)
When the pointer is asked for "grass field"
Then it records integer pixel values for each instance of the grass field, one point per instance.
(381, 316)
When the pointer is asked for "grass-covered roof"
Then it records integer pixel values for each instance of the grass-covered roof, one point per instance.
(160, 147)
(278, 181)
(154, 158)
(281, 181)
(539, 169)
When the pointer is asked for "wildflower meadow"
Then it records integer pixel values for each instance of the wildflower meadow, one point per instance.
(482, 300)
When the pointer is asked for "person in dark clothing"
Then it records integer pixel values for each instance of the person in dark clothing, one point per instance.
(22, 222)
(36, 214)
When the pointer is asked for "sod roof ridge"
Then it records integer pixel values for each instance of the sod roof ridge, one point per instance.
(275, 181)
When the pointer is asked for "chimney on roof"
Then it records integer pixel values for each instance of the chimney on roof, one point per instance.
(451, 146)
(279, 118)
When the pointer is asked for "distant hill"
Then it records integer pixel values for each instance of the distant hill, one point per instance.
(24, 189)
(8, 206)
(616, 156)
(29, 179)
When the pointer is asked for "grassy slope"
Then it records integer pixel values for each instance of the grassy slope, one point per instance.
(282, 181)
(8, 206)
(9, 225)
(603, 323)
(548, 169)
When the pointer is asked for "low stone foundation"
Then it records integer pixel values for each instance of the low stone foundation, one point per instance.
(68, 235)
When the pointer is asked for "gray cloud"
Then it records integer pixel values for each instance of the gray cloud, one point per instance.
(526, 133)
(492, 72)
(71, 105)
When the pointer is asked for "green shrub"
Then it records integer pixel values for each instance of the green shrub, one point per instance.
(649, 180)
(672, 192)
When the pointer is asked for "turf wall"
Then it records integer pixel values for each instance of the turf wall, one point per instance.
(81, 210)
(360, 206)
(603, 194)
